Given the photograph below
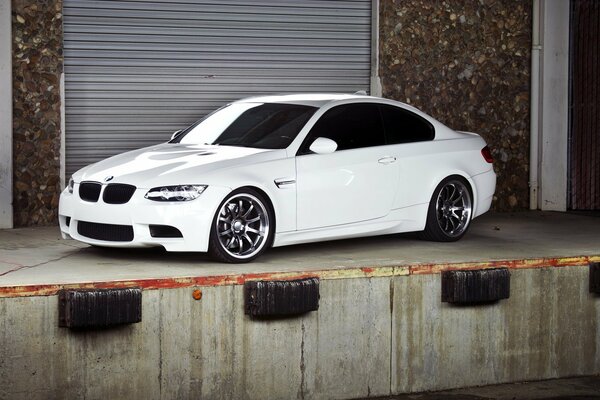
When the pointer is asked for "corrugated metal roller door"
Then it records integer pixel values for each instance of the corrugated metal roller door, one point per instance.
(135, 71)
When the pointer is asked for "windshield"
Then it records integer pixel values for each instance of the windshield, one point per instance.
(259, 125)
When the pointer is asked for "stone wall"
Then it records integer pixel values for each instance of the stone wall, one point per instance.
(37, 67)
(467, 63)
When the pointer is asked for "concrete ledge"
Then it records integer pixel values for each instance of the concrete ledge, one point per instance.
(327, 274)
(381, 327)
(38, 261)
(372, 336)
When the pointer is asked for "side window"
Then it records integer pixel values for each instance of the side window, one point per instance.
(403, 126)
(351, 126)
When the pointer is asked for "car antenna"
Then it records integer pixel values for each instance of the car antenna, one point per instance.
(361, 93)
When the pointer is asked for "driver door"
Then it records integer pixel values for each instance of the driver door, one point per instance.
(357, 182)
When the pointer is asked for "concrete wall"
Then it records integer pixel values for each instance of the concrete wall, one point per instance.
(554, 105)
(370, 337)
(6, 211)
(548, 328)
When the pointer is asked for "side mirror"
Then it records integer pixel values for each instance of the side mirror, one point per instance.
(323, 145)
(176, 133)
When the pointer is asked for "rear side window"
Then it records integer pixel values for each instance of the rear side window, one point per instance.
(351, 126)
(403, 126)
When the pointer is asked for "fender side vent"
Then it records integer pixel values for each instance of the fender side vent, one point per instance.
(475, 286)
(281, 298)
(595, 277)
(99, 308)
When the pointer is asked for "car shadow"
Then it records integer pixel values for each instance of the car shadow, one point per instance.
(299, 252)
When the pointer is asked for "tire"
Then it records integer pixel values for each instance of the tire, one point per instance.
(450, 211)
(243, 227)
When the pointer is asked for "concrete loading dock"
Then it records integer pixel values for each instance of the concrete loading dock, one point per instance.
(380, 328)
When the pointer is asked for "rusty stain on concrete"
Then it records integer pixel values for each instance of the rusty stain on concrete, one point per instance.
(327, 274)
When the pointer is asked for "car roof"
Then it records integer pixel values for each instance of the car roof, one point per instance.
(309, 99)
(321, 99)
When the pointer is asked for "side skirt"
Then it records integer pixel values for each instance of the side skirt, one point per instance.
(408, 219)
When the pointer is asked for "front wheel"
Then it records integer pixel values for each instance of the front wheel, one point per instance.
(242, 228)
(450, 210)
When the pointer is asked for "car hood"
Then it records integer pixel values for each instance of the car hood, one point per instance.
(170, 164)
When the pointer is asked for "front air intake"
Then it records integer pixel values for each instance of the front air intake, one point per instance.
(164, 231)
(106, 232)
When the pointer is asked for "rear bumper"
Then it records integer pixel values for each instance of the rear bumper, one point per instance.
(485, 186)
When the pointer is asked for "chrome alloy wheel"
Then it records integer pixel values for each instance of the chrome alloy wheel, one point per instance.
(242, 226)
(453, 208)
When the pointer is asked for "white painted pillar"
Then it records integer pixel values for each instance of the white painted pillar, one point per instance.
(6, 140)
(554, 103)
(375, 88)
(534, 146)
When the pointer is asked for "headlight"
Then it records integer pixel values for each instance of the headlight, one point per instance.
(71, 185)
(175, 193)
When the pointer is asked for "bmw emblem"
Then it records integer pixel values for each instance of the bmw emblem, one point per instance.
(108, 178)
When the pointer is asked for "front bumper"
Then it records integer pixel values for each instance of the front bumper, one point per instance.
(192, 218)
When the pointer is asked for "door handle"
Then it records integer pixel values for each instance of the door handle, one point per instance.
(387, 160)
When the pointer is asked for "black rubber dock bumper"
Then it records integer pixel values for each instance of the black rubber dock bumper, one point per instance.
(281, 298)
(99, 308)
(595, 277)
(475, 286)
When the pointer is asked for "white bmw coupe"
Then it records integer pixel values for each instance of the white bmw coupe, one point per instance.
(280, 170)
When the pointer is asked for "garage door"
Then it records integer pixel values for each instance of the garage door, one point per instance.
(135, 71)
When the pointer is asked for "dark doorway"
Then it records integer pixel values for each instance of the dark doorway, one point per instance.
(584, 105)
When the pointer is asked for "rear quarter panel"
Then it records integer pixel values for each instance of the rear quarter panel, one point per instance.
(424, 165)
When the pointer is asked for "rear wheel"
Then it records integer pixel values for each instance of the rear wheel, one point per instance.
(450, 211)
(242, 228)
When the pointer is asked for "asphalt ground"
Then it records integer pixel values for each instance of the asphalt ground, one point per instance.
(578, 388)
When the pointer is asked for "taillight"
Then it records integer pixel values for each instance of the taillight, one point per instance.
(487, 154)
